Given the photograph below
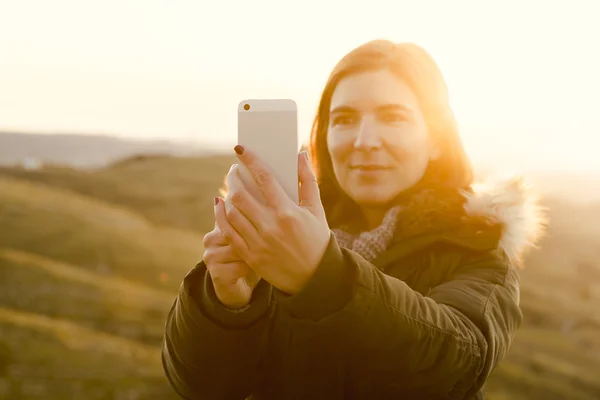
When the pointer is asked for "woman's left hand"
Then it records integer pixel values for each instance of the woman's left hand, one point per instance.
(282, 241)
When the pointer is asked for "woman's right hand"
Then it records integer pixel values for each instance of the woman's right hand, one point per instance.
(233, 280)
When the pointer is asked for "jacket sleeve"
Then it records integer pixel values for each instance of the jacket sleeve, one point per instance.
(210, 352)
(444, 344)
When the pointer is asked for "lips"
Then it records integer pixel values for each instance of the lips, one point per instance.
(369, 167)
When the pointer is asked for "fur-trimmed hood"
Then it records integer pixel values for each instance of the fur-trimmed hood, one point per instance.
(515, 207)
(504, 215)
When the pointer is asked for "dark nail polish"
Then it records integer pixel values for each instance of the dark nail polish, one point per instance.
(239, 150)
(216, 201)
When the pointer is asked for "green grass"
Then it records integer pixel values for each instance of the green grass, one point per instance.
(45, 357)
(168, 191)
(549, 364)
(93, 235)
(110, 304)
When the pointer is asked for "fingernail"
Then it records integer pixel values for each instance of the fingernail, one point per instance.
(216, 201)
(306, 155)
(232, 167)
(239, 150)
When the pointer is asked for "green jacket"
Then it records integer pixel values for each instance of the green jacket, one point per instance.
(429, 319)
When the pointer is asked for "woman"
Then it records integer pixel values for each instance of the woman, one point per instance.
(393, 278)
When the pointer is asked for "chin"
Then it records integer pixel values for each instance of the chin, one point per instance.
(371, 197)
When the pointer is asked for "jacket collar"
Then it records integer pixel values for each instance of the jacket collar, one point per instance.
(502, 216)
(512, 207)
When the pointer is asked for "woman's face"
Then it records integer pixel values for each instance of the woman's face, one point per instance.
(377, 138)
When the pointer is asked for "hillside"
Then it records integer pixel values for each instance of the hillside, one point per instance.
(83, 151)
(165, 190)
(90, 261)
(92, 234)
(544, 364)
(109, 304)
(51, 358)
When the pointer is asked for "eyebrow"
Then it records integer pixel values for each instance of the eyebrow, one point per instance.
(384, 107)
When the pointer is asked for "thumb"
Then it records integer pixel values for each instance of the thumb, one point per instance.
(308, 192)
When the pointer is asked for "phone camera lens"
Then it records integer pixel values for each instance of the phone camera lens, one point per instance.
(246, 107)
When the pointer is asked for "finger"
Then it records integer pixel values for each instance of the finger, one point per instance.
(227, 273)
(214, 238)
(228, 231)
(241, 224)
(209, 238)
(245, 181)
(220, 255)
(308, 192)
(268, 184)
(219, 238)
(244, 209)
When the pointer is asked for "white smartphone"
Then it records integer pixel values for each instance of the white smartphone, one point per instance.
(269, 128)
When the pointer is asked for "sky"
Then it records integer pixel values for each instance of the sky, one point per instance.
(523, 75)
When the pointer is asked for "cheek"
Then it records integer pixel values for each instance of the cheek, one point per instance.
(340, 146)
(408, 141)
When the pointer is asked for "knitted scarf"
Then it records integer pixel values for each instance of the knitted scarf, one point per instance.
(425, 211)
(371, 243)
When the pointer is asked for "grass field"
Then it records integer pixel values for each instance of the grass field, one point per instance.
(90, 262)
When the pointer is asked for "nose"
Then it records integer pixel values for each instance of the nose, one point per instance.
(367, 138)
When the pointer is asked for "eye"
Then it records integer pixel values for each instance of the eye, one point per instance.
(343, 120)
(392, 117)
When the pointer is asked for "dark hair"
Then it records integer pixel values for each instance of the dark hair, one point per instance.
(416, 67)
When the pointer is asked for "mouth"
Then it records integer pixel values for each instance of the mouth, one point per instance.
(369, 167)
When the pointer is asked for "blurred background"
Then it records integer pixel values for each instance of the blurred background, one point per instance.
(117, 120)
